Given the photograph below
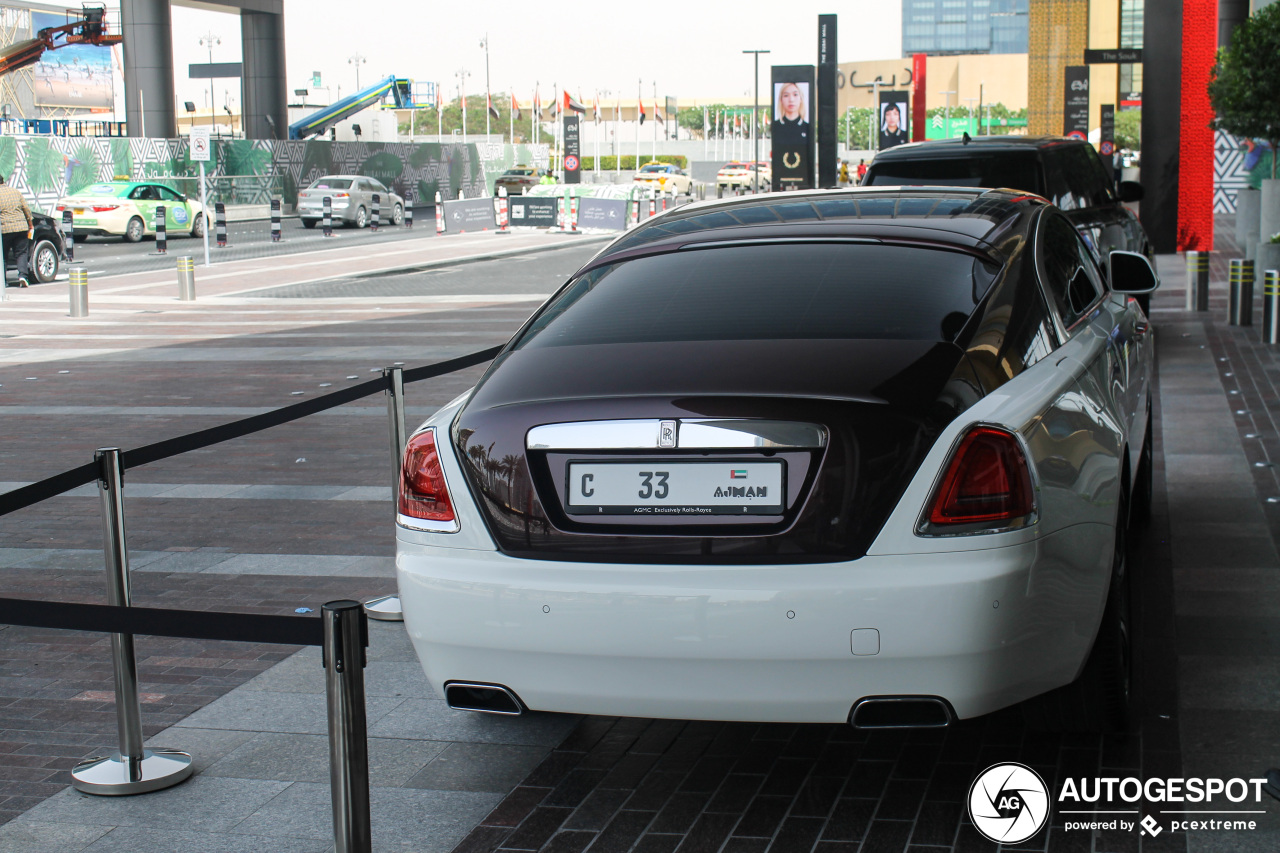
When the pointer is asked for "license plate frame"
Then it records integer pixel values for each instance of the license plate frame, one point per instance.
(759, 487)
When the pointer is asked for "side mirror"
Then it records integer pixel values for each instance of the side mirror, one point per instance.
(1131, 273)
(1131, 191)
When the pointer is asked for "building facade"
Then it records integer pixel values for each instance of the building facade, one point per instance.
(943, 27)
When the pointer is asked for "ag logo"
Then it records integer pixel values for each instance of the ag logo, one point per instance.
(1008, 803)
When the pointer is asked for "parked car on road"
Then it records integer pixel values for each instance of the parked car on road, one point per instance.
(518, 180)
(352, 200)
(45, 252)
(128, 209)
(1068, 172)
(664, 177)
(736, 173)
(858, 456)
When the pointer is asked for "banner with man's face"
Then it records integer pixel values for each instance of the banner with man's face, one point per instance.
(895, 119)
(791, 131)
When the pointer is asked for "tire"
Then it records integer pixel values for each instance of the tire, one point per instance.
(1099, 700)
(1143, 489)
(44, 261)
(397, 215)
(308, 223)
(199, 225)
(134, 231)
(362, 218)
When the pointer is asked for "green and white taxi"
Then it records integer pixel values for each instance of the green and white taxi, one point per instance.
(128, 209)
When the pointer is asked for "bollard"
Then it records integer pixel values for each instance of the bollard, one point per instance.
(275, 221)
(220, 223)
(69, 237)
(408, 215)
(1271, 307)
(635, 210)
(326, 216)
(719, 190)
(648, 209)
(664, 202)
(79, 292)
(1240, 294)
(1197, 281)
(134, 769)
(386, 608)
(345, 631)
(573, 215)
(376, 207)
(187, 278)
(162, 236)
(504, 211)
(439, 215)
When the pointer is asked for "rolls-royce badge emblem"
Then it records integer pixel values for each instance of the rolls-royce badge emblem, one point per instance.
(666, 433)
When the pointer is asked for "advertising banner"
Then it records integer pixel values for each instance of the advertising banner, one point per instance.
(572, 150)
(608, 213)
(76, 76)
(828, 127)
(1107, 144)
(792, 129)
(469, 214)
(894, 119)
(919, 65)
(536, 212)
(1075, 115)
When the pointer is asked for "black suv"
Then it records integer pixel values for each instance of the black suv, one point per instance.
(1068, 172)
(44, 255)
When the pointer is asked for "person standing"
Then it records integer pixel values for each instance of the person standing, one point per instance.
(16, 226)
(862, 171)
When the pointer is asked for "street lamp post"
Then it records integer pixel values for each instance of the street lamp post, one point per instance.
(357, 60)
(946, 130)
(484, 42)
(755, 124)
(971, 114)
(209, 39)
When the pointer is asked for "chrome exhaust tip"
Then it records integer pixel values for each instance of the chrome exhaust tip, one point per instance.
(901, 712)
(484, 698)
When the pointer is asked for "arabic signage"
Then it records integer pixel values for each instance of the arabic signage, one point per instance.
(607, 213)
(572, 151)
(1075, 116)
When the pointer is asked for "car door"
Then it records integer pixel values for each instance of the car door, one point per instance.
(145, 198)
(1097, 215)
(177, 212)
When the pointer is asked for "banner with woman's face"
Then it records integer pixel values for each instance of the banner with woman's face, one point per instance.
(791, 132)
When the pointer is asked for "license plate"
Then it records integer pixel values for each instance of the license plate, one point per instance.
(676, 488)
(78, 210)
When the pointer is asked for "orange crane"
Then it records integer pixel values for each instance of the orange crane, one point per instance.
(91, 28)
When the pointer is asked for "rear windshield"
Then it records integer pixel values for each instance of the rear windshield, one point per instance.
(768, 292)
(519, 172)
(331, 184)
(654, 168)
(1017, 170)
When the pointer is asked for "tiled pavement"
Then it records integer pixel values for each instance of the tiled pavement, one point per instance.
(1206, 622)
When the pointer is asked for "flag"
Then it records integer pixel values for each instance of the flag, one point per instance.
(571, 104)
(515, 108)
(595, 106)
(439, 97)
(488, 100)
(640, 107)
(657, 113)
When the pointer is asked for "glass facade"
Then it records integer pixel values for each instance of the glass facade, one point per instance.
(939, 27)
(1131, 36)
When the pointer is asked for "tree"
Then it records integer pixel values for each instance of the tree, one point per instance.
(1129, 129)
(1245, 85)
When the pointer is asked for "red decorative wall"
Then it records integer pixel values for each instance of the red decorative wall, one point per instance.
(1195, 161)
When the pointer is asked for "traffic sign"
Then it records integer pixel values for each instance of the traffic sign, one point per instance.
(201, 144)
(1108, 147)
(570, 163)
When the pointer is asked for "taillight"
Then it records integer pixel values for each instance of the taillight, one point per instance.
(61, 207)
(424, 494)
(104, 208)
(987, 482)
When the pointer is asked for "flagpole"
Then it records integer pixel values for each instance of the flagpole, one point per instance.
(617, 125)
(639, 112)
(533, 118)
(512, 116)
(439, 112)
(488, 102)
(655, 119)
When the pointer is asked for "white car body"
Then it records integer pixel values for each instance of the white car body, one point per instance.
(982, 621)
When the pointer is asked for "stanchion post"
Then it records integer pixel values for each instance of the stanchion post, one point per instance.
(1240, 293)
(376, 205)
(439, 214)
(408, 209)
(220, 223)
(187, 278)
(162, 236)
(345, 630)
(1197, 281)
(78, 280)
(386, 608)
(134, 769)
(69, 236)
(326, 216)
(1271, 307)
(275, 221)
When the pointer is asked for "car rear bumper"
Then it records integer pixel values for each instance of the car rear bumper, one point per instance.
(982, 629)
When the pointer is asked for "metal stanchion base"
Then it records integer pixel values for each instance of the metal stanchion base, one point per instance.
(117, 776)
(385, 608)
